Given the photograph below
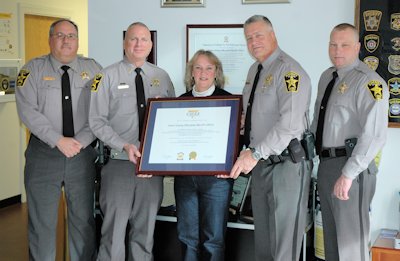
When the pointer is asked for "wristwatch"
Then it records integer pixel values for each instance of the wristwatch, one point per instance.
(255, 154)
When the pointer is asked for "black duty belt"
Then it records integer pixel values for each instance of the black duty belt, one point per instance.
(333, 153)
(275, 159)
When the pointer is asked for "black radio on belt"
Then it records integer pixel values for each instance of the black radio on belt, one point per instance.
(296, 151)
(308, 143)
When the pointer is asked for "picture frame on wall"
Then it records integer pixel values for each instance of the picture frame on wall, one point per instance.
(379, 30)
(264, 1)
(182, 3)
(228, 43)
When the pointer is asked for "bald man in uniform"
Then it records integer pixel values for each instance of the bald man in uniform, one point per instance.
(114, 118)
(56, 157)
(353, 132)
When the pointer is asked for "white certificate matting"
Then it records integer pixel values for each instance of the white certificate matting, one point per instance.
(190, 135)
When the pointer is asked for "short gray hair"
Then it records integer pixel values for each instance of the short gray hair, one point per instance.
(53, 25)
(258, 18)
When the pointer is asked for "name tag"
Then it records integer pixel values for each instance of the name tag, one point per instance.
(123, 86)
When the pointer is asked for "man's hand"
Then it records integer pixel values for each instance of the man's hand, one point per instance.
(146, 176)
(342, 187)
(69, 146)
(245, 163)
(132, 152)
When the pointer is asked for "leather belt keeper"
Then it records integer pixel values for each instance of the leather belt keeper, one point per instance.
(275, 159)
(333, 153)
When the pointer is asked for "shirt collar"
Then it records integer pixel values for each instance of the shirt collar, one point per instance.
(57, 65)
(342, 72)
(207, 92)
(274, 55)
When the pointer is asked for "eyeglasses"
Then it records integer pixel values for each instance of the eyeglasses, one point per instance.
(62, 36)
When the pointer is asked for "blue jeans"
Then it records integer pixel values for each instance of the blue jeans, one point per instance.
(202, 204)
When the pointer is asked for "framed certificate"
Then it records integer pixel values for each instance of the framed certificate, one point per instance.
(228, 43)
(190, 136)
(182, 3)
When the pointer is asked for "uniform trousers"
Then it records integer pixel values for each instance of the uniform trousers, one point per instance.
(345, 222)
(124, 198)
(202, 204)
(279, 200)
(46, 170)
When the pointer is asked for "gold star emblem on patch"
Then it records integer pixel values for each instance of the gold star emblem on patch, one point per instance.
(375, 88)
(96, 82)
(292, 81)
(372, 19)
(155, 82)
(85, 75)
(22, 76)
(343, 88)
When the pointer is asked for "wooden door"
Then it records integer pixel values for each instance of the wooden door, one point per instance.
(37, 44)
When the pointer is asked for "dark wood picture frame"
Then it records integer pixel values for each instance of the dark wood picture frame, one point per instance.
(184, 154)
(378, 23)
(205, 26)
(152, 58)
(228, 43)
(182, 3)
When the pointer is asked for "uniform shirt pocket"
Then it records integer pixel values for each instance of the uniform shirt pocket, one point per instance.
(50, 96)
(341, 108)
(158, 91)
(265, 100)
(125, 100)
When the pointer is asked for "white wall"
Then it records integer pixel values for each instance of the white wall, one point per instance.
(302, 28)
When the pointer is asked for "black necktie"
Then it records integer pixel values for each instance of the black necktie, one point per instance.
(247, 121)
(141, 101)
(322, 110)
(68, 122)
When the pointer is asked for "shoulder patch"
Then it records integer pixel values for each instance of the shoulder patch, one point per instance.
(96, 82)
(292, 80)
(375, 88)
(22, 76)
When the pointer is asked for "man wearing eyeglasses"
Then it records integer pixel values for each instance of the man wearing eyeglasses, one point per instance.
(53, 95)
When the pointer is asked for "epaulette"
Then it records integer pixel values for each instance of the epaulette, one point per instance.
(152, 65)
(363, 68)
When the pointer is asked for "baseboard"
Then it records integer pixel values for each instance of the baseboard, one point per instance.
(10, 201)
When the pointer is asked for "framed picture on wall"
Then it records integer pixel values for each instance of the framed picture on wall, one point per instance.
(182, 3)
(152, 58)
(228, 43)
(264, 1)
(379, 28)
